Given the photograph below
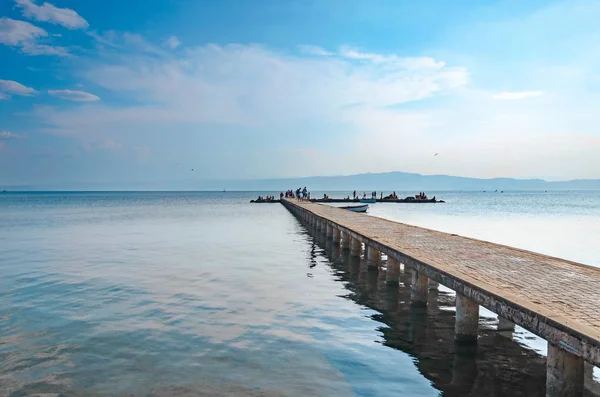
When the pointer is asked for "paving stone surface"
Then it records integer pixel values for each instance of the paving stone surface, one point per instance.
(564, 291)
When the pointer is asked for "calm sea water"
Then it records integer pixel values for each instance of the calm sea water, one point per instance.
(204, 294)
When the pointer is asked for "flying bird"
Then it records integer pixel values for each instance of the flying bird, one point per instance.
(435, 154)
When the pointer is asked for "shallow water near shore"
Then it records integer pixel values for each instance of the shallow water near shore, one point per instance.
(205, 294)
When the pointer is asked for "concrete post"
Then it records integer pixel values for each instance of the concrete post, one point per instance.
(373, 254)
(419, 289)
(392, 276)
(329, 231)
(373, 257)
(337, 235)
(355, 247)
(467, 320)
(433, 285)
(346, 241)
(564, 373)
(391, 299)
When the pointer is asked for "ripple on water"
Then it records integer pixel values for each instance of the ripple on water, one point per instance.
(193, 294)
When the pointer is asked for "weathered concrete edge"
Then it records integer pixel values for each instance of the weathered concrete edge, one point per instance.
(545, 327)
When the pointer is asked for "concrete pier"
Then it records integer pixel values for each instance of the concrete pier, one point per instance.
(337, 235)
(355, 247)
(392, 276)
(565, 373)
(433, 285)
(467, 320)
(346, 238)
(553, 298)
(419, 289)
(373, 257)
(329, 231)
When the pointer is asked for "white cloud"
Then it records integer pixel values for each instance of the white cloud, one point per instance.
(314, 50)
(253, 84)
(49, 13)
(518, 95)
(9, 87)
(76, 96)
(172, 42)
(43, 49)
(14, 33)
(9, 135)
(25, 36)
(132, 43)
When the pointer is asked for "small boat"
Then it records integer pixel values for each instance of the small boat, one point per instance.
(368, 200)
(356, 208)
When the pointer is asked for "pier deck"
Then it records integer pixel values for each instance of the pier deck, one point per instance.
(556, 299)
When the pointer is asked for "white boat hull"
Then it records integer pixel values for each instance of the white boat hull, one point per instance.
(357, 208)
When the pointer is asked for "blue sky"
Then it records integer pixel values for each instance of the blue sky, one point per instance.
(134, 91)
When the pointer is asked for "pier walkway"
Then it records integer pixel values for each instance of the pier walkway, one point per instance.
(553, 298)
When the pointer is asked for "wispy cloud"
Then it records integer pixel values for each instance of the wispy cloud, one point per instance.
(253, 84)
(76, 96)
(517, 95)
(25, 36)
(50, 13)
(172, 42)
(127, 42)
(9, 87)
(14, 33)
(314, 50)
(5, 135)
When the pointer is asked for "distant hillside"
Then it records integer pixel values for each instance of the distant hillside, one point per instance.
(399, 181)
(403, 181)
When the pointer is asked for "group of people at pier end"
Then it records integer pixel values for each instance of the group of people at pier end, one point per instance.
(266, 198)
(300, 194)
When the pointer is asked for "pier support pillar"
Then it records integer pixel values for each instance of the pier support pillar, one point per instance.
(433, 285)
(355, 247)
(392, 276)
(329, 231)
(337, 235)
(564, 373)
(346, 241)
(373, 258)
(322, 226)
(467, 320)
(419, 289)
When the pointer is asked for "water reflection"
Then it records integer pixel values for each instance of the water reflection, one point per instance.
(496, 366)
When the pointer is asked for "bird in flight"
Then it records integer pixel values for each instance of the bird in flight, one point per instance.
(435, 154)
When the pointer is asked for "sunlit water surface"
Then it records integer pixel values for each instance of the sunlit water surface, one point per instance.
(205, 294)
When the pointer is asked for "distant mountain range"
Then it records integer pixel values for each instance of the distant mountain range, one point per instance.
(399, 181)
(402, 181)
